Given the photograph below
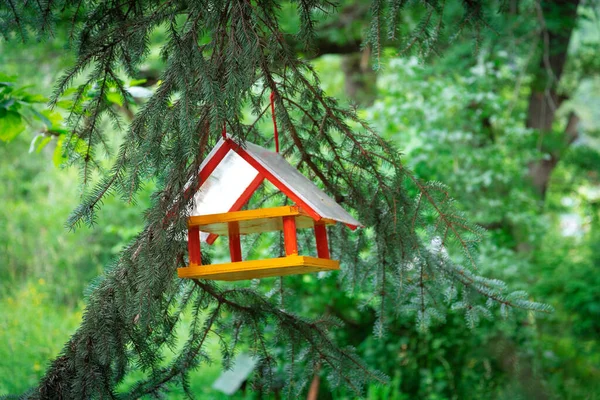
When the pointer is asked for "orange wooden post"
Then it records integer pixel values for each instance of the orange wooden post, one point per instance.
(194, 245)
(289, 235)
(321, 239)
(235, 247)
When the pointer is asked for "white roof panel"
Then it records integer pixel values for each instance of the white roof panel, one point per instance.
(224, 186)
(297, 183)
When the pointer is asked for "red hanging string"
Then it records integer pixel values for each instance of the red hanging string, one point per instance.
(275, 132)
(224, 131)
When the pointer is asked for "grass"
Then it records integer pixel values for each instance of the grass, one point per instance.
(33, 329)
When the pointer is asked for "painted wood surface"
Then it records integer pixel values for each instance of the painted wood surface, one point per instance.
(290, 238)
(236, 271)
(321, 240)
(235, 246)
(254, 221)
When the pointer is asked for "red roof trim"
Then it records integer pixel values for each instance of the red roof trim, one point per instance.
(271, 178)
(214, 161)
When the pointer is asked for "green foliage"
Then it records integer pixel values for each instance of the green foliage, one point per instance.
(32, 327)
(37, 199)
(19, 109)
(466, 129)
(470, 127)
(16, 107)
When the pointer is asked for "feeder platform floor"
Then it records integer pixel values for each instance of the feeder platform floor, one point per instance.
(252, 269)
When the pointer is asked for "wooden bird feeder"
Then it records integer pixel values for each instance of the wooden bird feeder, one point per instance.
(229, 176)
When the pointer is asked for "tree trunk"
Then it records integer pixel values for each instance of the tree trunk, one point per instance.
(360, 81)
(557, 19)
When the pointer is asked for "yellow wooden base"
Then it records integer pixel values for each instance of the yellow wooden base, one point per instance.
(242, 270)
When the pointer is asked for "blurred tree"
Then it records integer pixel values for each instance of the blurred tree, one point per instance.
(467, 128)
(557, 20)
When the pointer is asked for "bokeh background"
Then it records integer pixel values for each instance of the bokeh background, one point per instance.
(459, 117)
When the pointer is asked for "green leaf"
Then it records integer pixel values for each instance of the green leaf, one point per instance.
(114, 98)
(137, 82)
(6, 87)
(42, 143)
(34, 98)
(7, 103)
(11, 124)
(22, 91)
(39, 142)
(6, 80)
(58, 158)
(69, 92)
(66, 104)
(42, 117)
(54, 117)
(33, 141)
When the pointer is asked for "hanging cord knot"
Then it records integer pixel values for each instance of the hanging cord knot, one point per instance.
(275, 132)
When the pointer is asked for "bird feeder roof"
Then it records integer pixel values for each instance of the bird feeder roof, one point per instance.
(233, 171)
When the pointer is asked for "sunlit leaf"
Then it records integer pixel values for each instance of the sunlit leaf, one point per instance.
(33, 142)
(114, 98)
(137, 82)
(6, 80)
(54, 118)
(11, 124)
(66, 104)
(58, 158)
(42, 118)
(39, 142)
(34, 98)
(42, 143)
